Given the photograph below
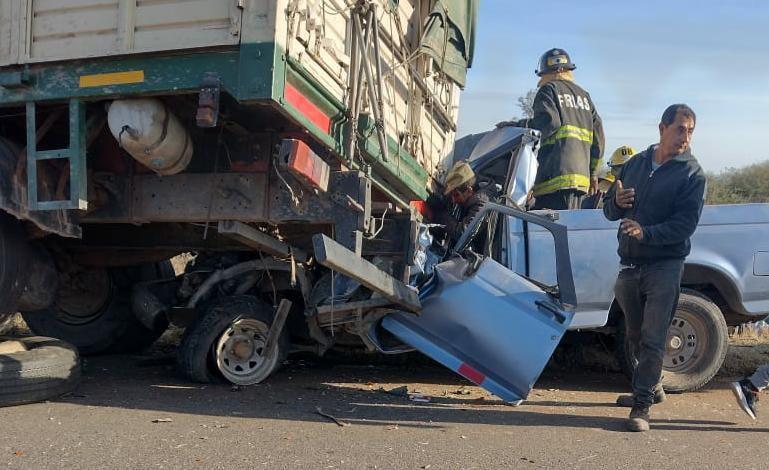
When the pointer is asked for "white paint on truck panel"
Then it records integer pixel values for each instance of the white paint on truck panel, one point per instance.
(12, 30)
(180, 24)
(60, 29)
(68, 29)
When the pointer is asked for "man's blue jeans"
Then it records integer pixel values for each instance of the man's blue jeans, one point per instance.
(648, 295)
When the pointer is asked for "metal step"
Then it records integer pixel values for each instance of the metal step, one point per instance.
(74, 154)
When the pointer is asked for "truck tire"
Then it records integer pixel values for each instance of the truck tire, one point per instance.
(93, 312)
(204, 356)
(696, 346)
(13, 259)
(48, 368)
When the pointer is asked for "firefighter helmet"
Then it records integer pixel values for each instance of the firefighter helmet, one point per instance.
(460, 174)
(621, 156)
(604, 173)
(554, 60)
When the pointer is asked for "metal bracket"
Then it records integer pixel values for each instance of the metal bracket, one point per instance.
(277, 327)
(335, 256)
(259, 240)
(208, 101)
(15, 79)
(74, 154)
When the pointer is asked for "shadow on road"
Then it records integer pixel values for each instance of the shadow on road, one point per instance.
(350, 394)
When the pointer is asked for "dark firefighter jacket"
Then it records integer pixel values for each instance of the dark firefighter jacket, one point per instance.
(668, 204)
(572, 137)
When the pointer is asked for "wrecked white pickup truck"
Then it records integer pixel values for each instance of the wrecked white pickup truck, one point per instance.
(725, 280)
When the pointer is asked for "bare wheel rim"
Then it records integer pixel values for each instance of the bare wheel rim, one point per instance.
(240, 352)
(82, 296)
(686, 343)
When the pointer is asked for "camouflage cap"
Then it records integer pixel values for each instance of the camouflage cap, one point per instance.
(459, 174)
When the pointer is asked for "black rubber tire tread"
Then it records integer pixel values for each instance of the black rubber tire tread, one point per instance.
(48, 369)
(194, 356)
(13, 259)
(718, 345)
(117, 330)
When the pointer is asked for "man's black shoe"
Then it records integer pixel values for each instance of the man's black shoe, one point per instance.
(638, 421)
(747, 396)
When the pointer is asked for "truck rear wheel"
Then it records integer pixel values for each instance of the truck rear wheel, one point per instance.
(93, 310)
(696, 344)
(227, 341)
(13, 259)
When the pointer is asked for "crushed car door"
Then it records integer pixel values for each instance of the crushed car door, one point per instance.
(489, 324)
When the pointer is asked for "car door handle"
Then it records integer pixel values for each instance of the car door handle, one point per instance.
(559, 316)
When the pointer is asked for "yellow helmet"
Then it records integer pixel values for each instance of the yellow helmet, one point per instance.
(459, 174)
(604, 173)
(621, 156)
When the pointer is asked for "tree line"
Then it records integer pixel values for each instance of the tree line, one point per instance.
(739, 185)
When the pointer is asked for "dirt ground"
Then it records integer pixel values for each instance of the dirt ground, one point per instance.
(136, 412)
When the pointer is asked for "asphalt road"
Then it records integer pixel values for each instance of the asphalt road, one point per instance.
(569, 422)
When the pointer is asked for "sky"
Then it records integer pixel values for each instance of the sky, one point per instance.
(635, 59)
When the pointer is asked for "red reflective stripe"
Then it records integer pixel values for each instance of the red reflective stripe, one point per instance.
(471, 374)
(307, 108)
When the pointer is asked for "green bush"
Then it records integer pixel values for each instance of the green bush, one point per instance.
(739, 185)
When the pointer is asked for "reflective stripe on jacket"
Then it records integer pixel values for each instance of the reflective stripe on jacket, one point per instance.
(572, 137)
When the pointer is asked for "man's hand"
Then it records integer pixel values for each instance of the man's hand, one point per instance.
(632, 228)
(593, 185)
(624, 198)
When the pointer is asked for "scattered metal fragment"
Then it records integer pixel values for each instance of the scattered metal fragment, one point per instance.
(340, 423)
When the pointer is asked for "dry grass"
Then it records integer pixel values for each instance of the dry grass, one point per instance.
(179, 262)
(748, 349)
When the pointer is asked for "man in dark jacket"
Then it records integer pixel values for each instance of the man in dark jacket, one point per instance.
(659, 196)
(571, 132)
(468, 196)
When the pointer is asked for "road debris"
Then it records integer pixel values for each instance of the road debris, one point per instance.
(402, 391)
(340, 423)
(162, 420)
(419, 398)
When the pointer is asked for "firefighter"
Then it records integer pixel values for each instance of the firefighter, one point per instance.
(467, 194)
(619, 158)
(572, 135)
(607, 175)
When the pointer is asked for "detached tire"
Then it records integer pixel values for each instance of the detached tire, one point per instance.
(696, 344)
(226, 341)
(93, 311)
(49, 368)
